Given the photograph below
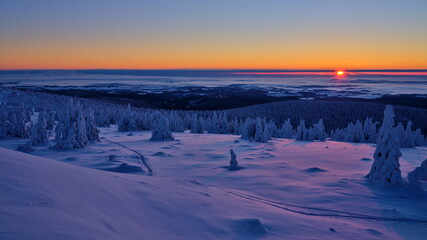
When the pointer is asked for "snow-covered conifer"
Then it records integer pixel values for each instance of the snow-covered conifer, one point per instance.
(81, 133)
(234, 127)
(71, 131)
(385, 169)
(419, 173)
(259, 131)
(319, 131)
(234, 165)
(39, 133)
(21, 127)
(214, 125)
(419, 139)
(249, 129)
(408, 137)
(301, 131)
(92, 131)
(287, 129)
(370, 130)
(161, 131)
(127, 121)
(197, 125)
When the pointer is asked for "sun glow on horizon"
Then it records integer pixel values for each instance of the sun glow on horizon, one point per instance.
(340, 73)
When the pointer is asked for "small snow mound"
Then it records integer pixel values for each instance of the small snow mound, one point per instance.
(160, 154)
(374, 232)
(314, 170)
(195, 182)
(69, 159)
(250, 228)
(125, 168)
(366, 159)
(26, 148)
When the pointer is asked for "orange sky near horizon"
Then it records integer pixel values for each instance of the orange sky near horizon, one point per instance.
(199, 35)
(134, 55)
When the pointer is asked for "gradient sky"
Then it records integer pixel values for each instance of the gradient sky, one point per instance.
(161, 34)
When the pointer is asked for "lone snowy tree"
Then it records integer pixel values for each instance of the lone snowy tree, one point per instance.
(234, 165)
(385, 169)
(39, 134)
(419, 173)
(161, 131)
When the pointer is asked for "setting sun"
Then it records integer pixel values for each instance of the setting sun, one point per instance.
(340, 73)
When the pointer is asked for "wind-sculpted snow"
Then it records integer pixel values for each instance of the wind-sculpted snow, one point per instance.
(192, 196)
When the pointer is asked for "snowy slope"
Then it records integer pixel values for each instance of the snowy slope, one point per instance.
(288, 190)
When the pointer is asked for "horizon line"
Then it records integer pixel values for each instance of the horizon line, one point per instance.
(219, 69)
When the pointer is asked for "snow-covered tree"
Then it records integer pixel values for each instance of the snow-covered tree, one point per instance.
(81, 133)
(20, 125)
(234, 127)
(385, 169)
(370, 130)
(259, 131)
(301, 131)
(223, 124)
(349, 134)
(249, 128)
(92, 131)
(214, 124)
(286, 130)
(127, 121)
(266, 135)
(408, 138)
(197, 125)
(358, 132)
(234, 165)
(161, 131)
(71, 130)
(319, 131)
(419, 173)
(419, 139)
(39, 133)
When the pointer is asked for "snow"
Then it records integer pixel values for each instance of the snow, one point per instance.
(288, 190)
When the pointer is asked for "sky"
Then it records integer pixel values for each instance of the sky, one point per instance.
(220, 34)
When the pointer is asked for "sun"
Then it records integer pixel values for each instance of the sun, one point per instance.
(340, 73)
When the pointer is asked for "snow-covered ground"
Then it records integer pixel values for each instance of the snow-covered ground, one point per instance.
(287, 190)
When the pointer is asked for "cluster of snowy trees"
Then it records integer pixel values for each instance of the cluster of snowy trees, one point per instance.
(335, 114)
(14, 121)
(367, 133)
(75, 128)
(385, 169)
(77, 121)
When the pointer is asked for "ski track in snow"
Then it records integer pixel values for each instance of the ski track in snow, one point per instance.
(321, 212)
(141, 157)
(328, 212)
